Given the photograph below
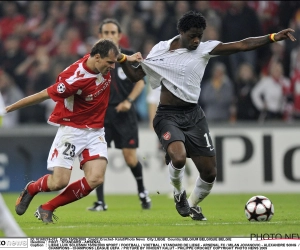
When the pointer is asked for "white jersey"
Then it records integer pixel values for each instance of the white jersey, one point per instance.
(180, 70)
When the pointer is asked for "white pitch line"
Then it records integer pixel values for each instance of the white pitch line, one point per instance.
(176, 224)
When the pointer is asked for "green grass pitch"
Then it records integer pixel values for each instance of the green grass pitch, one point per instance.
(125, 218)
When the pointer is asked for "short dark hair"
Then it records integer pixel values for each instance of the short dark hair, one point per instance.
(103, 46)
(191, 19)
(110, 20)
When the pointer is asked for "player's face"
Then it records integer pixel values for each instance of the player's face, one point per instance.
(110, 31)
(106, 64)
(191, 38)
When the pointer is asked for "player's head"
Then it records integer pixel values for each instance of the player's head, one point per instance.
(191, 26)
(104, 56)
(110, 29)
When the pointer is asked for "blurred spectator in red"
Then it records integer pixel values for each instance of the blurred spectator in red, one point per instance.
(54, 26)
(244, 82)
(11, 19)
(11, 56)
(267, 12)
(29, 31)
(35, 16)
(38, 71)
(271, 95)
(240, 21)
(10, 93)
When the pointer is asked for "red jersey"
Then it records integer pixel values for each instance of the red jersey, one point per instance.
(81, 97)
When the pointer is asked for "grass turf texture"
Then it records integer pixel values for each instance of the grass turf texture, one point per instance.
(125, 218)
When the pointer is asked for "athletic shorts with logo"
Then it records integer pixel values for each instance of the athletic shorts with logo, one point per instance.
(69, 143)
(121, 127)
(187, 124)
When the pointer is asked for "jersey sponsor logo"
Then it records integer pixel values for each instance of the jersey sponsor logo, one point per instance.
(153, 60)
(167, 136)
(89, 98)
(61, 88)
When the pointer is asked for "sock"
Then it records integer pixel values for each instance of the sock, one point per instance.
(73, 192)
(201, 190)
(137, 172)
(8, 224)
(100, 192)
(39, 186)
(176, 177)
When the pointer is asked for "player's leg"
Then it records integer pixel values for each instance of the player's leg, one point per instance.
(8, 223)
(176, 166)
(100, 204)
(204, 183)
(58, 156)
(91, 148)
(136, 168)
(201, 150)
(172, 139)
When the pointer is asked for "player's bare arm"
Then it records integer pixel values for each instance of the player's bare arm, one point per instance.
(134, 74)
(251, 43)
(28, 101)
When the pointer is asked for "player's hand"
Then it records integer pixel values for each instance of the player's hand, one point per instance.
(285, 34)
(123, 106)
(136, 57)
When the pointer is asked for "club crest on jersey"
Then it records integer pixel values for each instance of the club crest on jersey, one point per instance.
(167, 136)
(61, 88)
(121, 74)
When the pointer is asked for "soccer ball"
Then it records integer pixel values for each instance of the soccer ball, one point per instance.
(259, 208)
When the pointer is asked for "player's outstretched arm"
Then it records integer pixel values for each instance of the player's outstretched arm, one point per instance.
(28, 101)
(252, 43)
(134, 74)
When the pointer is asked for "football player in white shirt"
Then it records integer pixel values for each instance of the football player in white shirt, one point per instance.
(178, 65)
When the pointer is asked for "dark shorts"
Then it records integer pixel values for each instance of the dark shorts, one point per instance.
(186, 124)
(122, 128)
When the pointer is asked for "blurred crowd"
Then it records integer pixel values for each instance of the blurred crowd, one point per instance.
(38, 39)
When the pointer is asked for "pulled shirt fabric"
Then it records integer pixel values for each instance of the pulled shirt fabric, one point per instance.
(179, 70)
